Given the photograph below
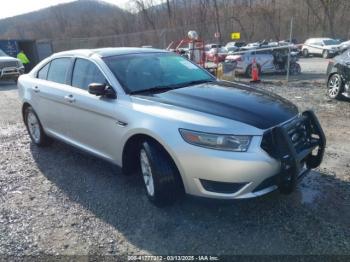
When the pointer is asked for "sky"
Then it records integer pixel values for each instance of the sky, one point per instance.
(16, 7)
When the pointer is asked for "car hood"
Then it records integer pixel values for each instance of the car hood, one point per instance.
(7, 58)
(331, 47)
(241, 103)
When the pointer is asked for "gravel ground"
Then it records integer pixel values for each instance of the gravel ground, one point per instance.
(58, 200)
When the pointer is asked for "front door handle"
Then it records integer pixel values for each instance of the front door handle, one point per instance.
(69, 98)
(36, 89)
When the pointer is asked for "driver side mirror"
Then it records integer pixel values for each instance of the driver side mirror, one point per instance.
(99, 89)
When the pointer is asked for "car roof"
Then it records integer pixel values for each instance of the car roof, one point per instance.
(109, 51)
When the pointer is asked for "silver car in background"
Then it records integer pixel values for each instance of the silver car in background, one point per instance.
(156, 114)
(325, 47)
(10, 67)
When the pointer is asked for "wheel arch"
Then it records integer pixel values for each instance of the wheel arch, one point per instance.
(130, 151)
(333, 72)
(24, 107)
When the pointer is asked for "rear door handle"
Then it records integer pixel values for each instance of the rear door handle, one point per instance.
(69, 98)
(36, 89)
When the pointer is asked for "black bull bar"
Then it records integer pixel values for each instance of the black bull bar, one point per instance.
(299, 145)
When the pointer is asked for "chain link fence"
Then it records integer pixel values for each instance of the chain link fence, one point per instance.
(154, 38)
(313, 68)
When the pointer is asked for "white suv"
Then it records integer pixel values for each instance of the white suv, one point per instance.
(10, 68)
(327, 47)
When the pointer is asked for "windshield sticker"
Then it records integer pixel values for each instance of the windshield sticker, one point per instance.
(188, 64)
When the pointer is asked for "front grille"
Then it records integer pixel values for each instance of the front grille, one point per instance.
(298, 133)
(8, 64)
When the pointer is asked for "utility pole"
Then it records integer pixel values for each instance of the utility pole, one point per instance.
(289, 48)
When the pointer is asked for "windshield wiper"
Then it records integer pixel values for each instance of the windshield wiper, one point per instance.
(192, 83)
(156, 89)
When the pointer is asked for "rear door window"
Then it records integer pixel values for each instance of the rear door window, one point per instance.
(85, 73)
(58, 70)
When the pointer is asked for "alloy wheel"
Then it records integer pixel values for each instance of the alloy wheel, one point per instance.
(33, 126)
(334, 86)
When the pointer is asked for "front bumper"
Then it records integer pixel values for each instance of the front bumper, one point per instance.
(11, 72)
(260, 170)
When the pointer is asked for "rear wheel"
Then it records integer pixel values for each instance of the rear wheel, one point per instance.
(160, 175)
(335, 86)
(35, 129)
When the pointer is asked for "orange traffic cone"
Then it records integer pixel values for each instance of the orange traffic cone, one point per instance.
(255, 72)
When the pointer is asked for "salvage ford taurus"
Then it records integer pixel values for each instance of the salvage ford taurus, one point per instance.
(157, 114)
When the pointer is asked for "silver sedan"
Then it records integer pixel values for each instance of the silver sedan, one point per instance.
(156, 114)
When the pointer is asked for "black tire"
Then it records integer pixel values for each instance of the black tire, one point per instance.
(295, 69)
(42, 139)
(325, 54)
(306, 52)
(335, 86)
(166, 179)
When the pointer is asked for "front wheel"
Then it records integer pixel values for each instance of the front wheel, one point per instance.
(160, 175)
(306, 53)
(325, 54)
(34, 128)
(295, 69)
(335, 86)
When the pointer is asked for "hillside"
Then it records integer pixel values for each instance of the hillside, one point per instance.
(82, 18)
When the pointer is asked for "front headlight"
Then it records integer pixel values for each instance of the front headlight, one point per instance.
(215, 141)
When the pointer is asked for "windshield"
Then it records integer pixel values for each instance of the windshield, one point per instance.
(142, 72)
(2, 53)
(331, 42)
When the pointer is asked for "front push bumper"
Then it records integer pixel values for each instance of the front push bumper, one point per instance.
(299, 145)
(11, 72)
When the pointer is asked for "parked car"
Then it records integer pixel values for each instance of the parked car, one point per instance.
(326, 47)
(216, 54)
(296, 49)
(10, 68)
(250, 46)
(338, 72)
(155, 113)
(234, 46)
(208, 47)
(344, 46)
(268, 61)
